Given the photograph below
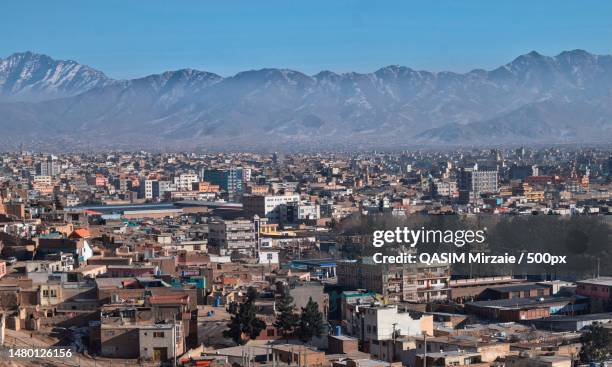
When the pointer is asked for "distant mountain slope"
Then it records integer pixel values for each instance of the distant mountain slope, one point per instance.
(534, 98)
(540, 122)
(28, 76)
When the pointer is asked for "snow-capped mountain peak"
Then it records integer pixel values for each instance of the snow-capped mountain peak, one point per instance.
(28, 76)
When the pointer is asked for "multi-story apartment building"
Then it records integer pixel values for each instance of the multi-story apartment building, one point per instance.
(477, 181)
(185, 181)
(445, 188)
(397, 282)
(145, 190)
(160, 188)
(229, 180)
(48, 167)
(122, 184)
(227, 236)
(272, 207)
(298, 211)
(204, 186)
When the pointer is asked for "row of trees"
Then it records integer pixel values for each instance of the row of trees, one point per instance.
(245, 325)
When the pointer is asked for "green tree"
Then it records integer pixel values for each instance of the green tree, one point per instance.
(311, 321)
(244, 323)
(286, 317)
(596, 343)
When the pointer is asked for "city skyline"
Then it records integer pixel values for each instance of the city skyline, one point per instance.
(326, 184)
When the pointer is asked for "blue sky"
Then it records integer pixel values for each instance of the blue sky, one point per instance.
(134, 38)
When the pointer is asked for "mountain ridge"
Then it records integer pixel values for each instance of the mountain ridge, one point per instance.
(394, 105)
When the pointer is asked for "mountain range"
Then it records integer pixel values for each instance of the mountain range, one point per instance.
(534, 98)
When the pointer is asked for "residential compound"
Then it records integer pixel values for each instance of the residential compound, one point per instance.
(145, 258)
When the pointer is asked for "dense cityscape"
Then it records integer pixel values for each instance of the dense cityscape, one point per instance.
(219, 259)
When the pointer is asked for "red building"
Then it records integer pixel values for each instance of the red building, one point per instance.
(97, 180)
(133, 270)
(599, 290)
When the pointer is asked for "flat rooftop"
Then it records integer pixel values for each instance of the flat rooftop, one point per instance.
(517, 287)
(516, 303)
(607, 281)
(587, 317)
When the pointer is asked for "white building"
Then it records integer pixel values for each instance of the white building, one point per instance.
(268, 257)
(160, 188)
(272, 207)
(307, 211)
(160, 342)
(373, 322)
(185, 181)
(42, 180)
(145, 191)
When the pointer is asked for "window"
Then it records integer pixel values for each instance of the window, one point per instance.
(158, 334)
(45, 293)
(270, 332)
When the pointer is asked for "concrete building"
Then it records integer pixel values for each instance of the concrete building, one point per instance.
(48, 167)
(397, 282)
(160, 188)
(229, 179)
(519, 309)
(228, 236)
(374, 323)
(80, 249)
(40, 270)
(302, 211)
(268, 257)
(515, 291)
(185, 181)
(160, 342)
(486, 349)
(599, 290)
(477, 181)
(145, 190)
(299, 355)
(572, 323)
(272, 207)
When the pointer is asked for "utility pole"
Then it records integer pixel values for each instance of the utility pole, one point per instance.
(424, 349)
(393, 346)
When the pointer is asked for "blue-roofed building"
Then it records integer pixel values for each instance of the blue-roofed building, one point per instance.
(319, 268)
